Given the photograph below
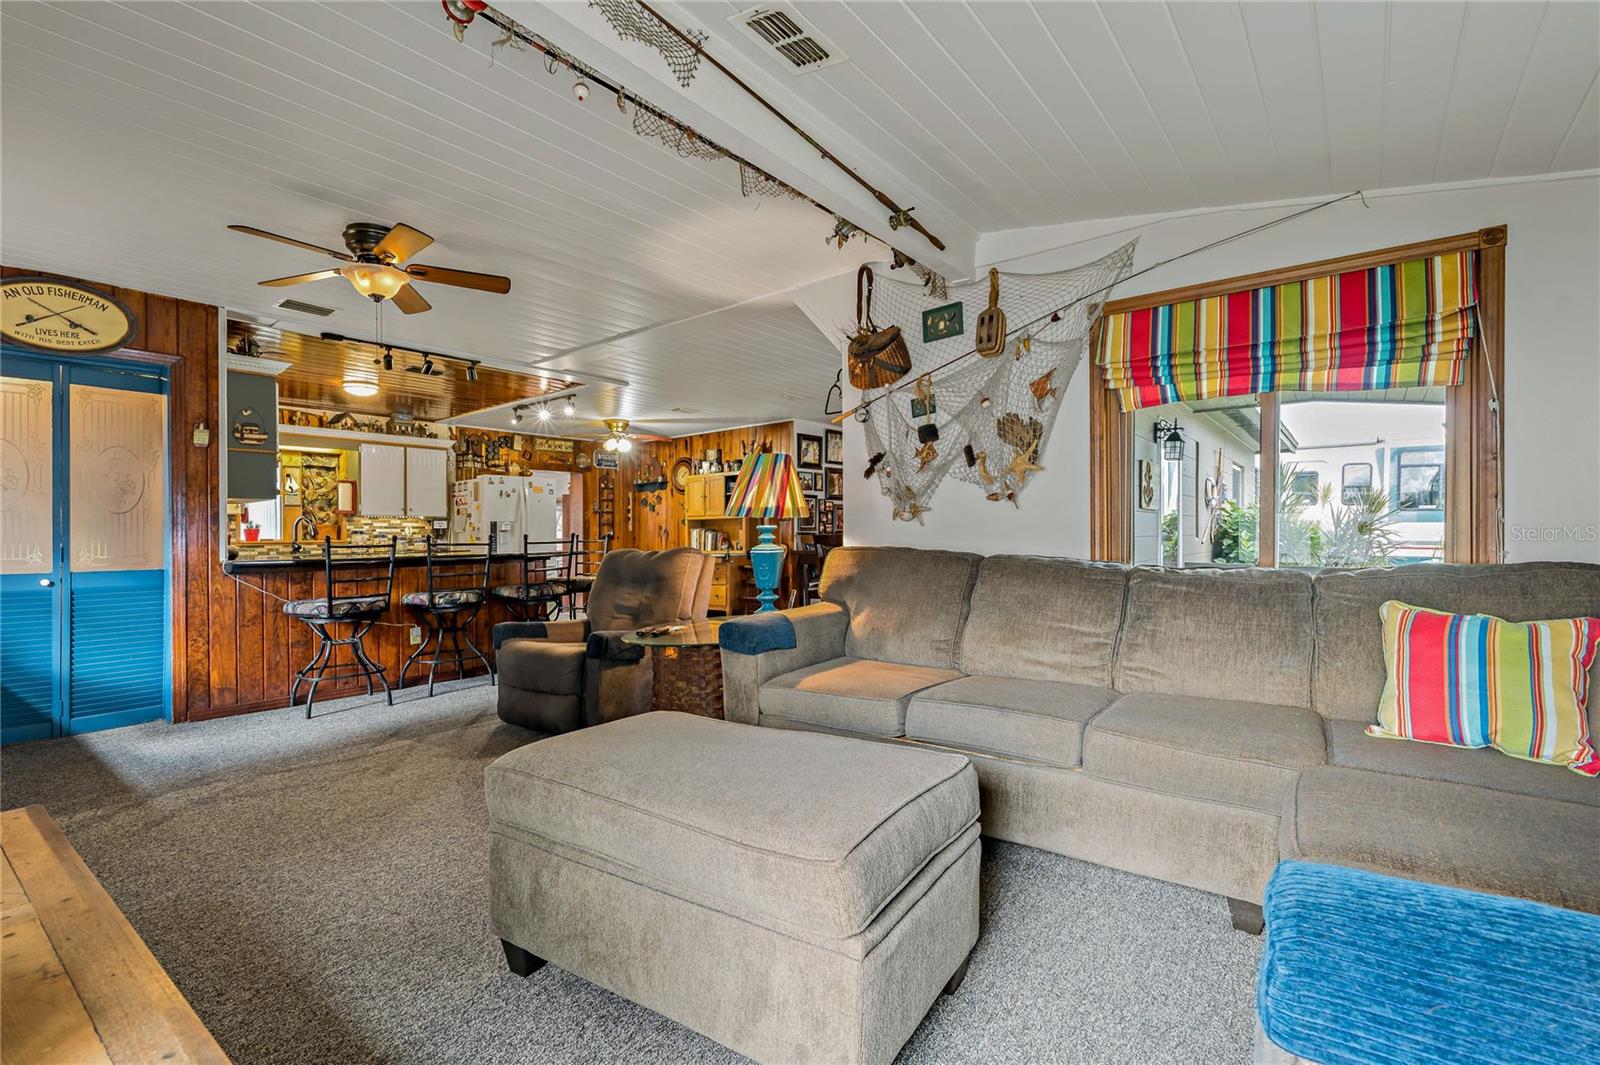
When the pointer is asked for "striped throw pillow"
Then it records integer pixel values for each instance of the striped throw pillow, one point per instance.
(1471, 680)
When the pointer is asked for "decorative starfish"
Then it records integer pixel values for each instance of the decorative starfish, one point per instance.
(926, 454)
(1022, 465)
(911, 512)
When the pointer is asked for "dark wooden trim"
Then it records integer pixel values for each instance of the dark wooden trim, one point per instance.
(1267, 445)
(1474, 412)
(1110, 468)
(1493, 237)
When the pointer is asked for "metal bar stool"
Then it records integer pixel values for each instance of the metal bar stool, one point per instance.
(347, 600)
(458, 584)
(586, 558)
(546, 567)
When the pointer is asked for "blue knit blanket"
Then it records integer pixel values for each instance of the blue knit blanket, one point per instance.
(1372, 969)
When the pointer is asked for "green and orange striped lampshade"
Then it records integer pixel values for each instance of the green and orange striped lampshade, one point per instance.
(768, 487)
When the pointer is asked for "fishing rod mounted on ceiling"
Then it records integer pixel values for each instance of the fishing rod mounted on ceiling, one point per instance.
(462, 14)
(898, 216)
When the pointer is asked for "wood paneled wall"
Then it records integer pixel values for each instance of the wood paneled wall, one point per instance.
(654, 521)
(209, 677)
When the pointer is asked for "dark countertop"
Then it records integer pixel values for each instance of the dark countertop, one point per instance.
(311, 558)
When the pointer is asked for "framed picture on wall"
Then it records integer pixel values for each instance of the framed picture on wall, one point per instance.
(811, 481)
(808, 451)
(833, 447)
(835, 480)
(808, 524)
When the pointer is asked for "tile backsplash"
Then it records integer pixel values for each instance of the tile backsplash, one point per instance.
(376, 530)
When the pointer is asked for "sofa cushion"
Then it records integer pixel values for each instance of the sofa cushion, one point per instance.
(850, 694)
(1348, 676)
(1350, 746)
(783, 828)
(1240, 634)
(540, 666)
(1037, 720)
(1470, 837)
(1044, 619)
(905, 605)
(1245, 754)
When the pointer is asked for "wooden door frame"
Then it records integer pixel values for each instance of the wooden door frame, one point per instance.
(1474, 410)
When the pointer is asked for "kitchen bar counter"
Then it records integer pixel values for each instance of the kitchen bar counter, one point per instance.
(310, 557)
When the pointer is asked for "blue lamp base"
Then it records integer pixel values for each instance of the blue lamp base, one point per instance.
(766, 563)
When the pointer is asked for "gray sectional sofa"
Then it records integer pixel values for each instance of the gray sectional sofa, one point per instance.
(1190, 725)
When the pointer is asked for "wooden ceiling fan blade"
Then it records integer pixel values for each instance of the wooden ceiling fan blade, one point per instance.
(281, 239)
(401, 243)
(410, 301)
(300, 279)
(440, 275)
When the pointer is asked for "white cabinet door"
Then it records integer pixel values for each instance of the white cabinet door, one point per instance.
(383, 481)
(425, 483)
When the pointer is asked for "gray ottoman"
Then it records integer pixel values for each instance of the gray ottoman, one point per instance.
(797, 897)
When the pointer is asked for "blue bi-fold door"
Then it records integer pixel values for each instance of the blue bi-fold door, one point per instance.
(84, 547)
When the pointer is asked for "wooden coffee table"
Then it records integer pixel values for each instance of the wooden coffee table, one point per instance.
(685, 667)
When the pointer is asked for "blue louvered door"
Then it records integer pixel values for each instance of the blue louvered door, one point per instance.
(84, 544)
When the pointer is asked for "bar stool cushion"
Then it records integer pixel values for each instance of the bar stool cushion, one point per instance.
(525, 592)
(349, 607)
(447, 600)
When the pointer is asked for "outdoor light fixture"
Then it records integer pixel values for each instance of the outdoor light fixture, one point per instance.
(1170, 436)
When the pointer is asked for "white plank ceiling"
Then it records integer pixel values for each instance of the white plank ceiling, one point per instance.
(1024, 114)
(134, 132)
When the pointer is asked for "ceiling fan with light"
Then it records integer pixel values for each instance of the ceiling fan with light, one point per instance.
(374, 264)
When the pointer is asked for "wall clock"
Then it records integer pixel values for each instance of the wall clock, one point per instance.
(680, 473)
(48, 314)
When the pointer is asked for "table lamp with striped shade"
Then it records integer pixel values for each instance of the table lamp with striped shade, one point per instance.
(768, 488)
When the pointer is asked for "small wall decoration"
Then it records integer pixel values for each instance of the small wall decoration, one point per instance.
(942, 323)
(808, 451)
(833, 447)
(811, 480)
(835, 484)
(807, 522)
(605, 460)
(1147, 485)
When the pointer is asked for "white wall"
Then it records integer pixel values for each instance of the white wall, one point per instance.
(1551, 392)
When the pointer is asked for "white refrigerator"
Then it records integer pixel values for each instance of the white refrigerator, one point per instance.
(510, 507)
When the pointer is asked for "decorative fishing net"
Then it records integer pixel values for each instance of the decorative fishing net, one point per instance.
(993, 415)
(634, 23)
(680, 139)
(753, 182)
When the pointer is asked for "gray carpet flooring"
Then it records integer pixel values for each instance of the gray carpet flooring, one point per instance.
(317, 891)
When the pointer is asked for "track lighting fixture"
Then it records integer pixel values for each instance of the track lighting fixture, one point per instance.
(472, 371)
(427, 365)
(516, 415)
(569, 407)
(543, 412)
(388, 359)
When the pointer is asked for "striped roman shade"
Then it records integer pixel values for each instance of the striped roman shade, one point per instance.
(1401, 325)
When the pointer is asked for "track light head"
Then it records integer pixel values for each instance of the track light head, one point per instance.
(516, 415)
(388, 359)
(569, 408)
(472, 371)
(543, 412)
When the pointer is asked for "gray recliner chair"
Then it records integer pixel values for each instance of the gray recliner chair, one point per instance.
(556, 676)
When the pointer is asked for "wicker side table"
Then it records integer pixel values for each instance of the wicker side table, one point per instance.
(686, 667)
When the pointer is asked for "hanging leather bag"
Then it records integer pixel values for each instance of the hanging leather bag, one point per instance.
(877, 357)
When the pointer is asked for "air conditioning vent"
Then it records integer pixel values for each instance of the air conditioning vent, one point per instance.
(782, 30)
(300, 307)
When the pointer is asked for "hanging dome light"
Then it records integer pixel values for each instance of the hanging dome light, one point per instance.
(376, 280)
(610, 444)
